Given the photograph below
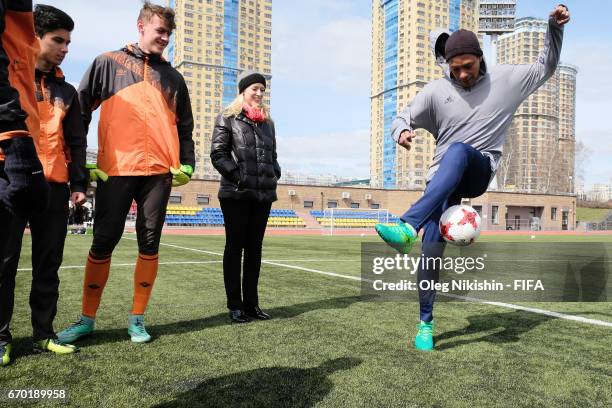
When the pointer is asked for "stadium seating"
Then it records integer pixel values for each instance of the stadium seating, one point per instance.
(352, 219)
(285, 218)
(177, 215)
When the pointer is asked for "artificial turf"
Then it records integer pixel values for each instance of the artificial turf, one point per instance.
(325, 346)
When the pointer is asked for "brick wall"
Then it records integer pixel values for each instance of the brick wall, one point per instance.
(396, 201)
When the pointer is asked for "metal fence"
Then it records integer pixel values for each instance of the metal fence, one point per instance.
(599, 226)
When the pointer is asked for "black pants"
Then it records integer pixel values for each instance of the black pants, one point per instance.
(48, 235)
(113, 201)
(245, 226)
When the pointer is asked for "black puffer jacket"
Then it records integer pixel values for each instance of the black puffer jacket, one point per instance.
(244, 152)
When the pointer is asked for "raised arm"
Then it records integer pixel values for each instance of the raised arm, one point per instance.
(531, 77)
(23, 189)
(12, 116)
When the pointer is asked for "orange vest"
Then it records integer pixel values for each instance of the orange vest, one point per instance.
(50, 144)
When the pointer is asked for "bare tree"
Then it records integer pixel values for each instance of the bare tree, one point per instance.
(505, 170)
(582, 153)
(550, 181)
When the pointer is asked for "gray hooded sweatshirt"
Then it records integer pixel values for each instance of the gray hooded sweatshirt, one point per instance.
(437, 42)
(480, 115)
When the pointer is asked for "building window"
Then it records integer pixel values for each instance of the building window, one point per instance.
(495, 214)
(332, 204)
(478, 209)
(354, 205)
(308, 204)
(553, 213)
(203, 199)
(175, 199)
(375, 206)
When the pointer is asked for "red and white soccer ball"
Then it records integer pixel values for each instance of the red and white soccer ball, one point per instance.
(460, 225)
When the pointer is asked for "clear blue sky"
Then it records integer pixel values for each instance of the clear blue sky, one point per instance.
(321, 75)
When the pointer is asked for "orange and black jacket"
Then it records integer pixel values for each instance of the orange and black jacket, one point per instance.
(18, 53)
(146, 122)
(62, 142)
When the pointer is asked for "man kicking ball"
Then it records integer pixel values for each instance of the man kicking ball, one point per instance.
(468, 112)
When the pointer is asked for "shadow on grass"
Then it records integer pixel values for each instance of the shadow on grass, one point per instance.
(587, 282)
(512, 324)
(263, 387)
(221, 319)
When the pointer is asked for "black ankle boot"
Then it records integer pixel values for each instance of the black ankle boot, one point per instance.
(238, 316)
(256, 313)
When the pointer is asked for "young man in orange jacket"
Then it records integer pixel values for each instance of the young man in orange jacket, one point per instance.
(144, 146)
(61, 146)
(23, 189)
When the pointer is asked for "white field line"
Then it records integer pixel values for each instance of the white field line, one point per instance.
(532, 309)
(471, 299)
(200, 262)
(313, 260)
(133, 264)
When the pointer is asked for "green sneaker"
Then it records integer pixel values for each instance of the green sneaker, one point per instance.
(400, 237)
(54, 346)
(137, 330)
(82, 327)
(424, 337)
(5, 353)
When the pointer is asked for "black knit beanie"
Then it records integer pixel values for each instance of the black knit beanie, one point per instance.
(462, 42)
(248, 78)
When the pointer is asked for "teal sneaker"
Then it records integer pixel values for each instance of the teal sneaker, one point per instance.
(54, 346)
(5, 354)
(81, 328)
(424, 337)
(137, 330)
(400, 237)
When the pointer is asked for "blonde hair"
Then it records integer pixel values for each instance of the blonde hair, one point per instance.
(235, 108)
(149, 10)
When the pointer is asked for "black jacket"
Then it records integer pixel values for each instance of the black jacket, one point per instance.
(244, 153)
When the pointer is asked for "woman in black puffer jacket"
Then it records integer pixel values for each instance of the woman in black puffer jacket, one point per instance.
(244, 153)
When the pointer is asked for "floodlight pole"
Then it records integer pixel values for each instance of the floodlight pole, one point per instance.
(494, 48)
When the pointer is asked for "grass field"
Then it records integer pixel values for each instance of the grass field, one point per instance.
(325, 347)
(591, 214)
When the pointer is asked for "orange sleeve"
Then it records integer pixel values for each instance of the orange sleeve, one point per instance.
(18, 53)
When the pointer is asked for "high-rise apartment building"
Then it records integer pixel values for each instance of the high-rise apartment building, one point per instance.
(402, 63)
(539, 150)
(567, 127)
(213, 42)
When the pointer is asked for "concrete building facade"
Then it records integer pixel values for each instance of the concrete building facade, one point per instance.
(499, 210)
